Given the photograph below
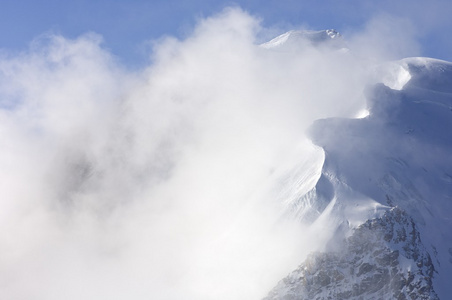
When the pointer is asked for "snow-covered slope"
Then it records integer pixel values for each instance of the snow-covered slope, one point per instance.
(385, 192)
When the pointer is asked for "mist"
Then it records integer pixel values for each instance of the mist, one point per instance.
(168, 182)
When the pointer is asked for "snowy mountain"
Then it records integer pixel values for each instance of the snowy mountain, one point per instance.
(385, 191)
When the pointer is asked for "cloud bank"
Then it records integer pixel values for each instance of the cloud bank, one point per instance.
(166, 183)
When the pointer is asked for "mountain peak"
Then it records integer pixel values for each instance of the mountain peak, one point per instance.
(299, 38)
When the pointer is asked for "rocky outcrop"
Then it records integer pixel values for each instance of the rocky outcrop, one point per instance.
(384, 258)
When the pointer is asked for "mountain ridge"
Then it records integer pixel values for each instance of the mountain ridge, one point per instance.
(396, 156)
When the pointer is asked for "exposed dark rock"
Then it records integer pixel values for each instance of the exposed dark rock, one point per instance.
(383, 259)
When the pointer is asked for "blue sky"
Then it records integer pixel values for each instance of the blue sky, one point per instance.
(127, 25)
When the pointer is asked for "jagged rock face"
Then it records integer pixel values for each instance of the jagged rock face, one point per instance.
(384, 258)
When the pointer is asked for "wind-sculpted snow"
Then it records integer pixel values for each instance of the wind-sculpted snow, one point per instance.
(399, 155)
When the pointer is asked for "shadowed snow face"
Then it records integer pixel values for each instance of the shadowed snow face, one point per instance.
(161, 183)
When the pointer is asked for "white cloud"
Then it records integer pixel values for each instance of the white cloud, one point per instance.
(386, 37)
(161, 183)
